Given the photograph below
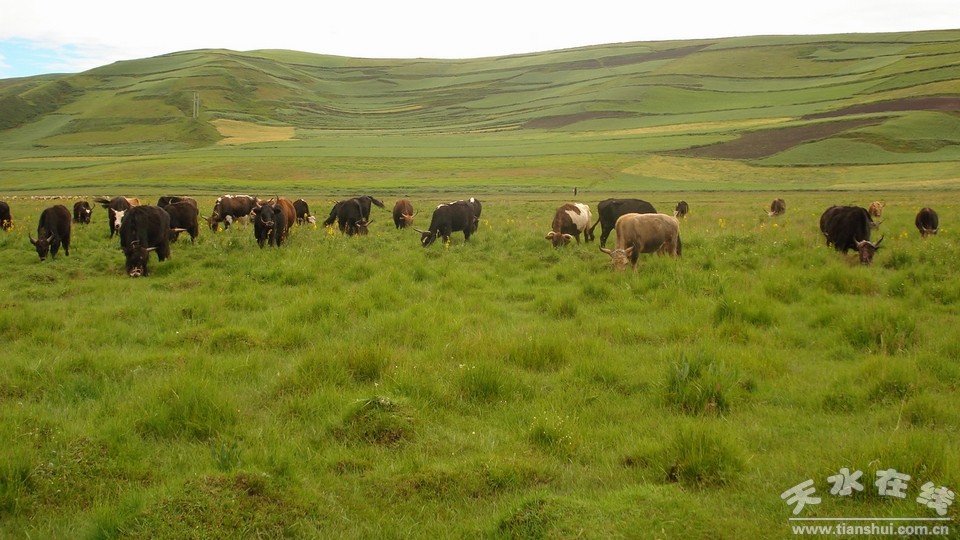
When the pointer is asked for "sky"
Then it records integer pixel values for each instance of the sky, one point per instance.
(70, 36)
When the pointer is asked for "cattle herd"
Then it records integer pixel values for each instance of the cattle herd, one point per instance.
(639, 227)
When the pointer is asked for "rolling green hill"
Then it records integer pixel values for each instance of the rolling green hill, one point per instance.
(812, 101)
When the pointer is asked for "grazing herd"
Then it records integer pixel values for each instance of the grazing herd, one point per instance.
(639, 227)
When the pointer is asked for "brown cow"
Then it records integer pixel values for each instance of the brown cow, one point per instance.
(644, 233)
(876, 208)
(403, 214)
(777, 207)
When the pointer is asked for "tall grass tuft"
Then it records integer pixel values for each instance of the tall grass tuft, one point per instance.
(532, 519)
(191, 410)
(379, 420)
(700, 456)
(700, 384)
(541, 353)
(882, 331)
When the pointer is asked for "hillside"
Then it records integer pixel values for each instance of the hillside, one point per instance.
(795, 100)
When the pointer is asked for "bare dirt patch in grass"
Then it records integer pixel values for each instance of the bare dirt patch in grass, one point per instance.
(925, 103)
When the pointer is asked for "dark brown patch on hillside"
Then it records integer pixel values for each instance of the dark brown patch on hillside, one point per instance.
(634, 58)
(759, 144)
(561, 120)
(926, 103)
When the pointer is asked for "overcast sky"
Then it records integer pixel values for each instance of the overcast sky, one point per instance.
(67, 36)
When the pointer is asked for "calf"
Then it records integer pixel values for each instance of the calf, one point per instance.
(53, 230)
(927, 222)
(644, 233)
(876, 208)
(569, 221)
(81, 212)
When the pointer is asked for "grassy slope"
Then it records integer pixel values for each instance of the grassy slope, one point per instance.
(606, 104)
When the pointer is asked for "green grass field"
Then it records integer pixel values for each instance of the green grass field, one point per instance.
(369, 388)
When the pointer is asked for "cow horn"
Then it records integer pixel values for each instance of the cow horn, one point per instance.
(176, 229)
(50, 238)
(607, 251)
(419, 231)
(878, 242)
(32, 241)
(550, 235)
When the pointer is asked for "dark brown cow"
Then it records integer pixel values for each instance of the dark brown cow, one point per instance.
(53, 230)
(403, 214)
(927, 222)
(303, 212)
(448, 218)
(681, 210)
(144, 229)
(6, 220)
(183, 217)
(609, 210)
(229, 208)
(81, 212)
(777, 208)
(569, 221)
(848, 227)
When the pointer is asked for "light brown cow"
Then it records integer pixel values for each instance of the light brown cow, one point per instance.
(644, 233)
(876, 208)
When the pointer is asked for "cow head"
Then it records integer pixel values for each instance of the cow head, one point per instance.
(136, 259)
(426, 237)
(559, 239)
(407, 219)
(42, 245)
(361, 226)
(866, 249)
(621, 257)
(117, 219)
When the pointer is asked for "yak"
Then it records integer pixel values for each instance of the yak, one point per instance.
(403, 214)
(349, 215)
(609, 210)
(848, 227)
(115, 210)
(228, 208)
(448, 218)
(81, 212)
(302, 210)
(6, 220)
(777, 207)
(927, 221)
(183, 217)
(144, 229)
(681, 210)
(53, 230)
(269, 224)
(644, 233)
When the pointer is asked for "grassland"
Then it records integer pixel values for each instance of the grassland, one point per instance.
(369, 388)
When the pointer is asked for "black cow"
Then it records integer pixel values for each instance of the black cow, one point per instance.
(475, 204)
(229, 208)
(349, 215)
(183, 217)
(777, 207)
(116, 207)
(52, 231)
(269, 224)
(144, 229)
(172, 199)
(927, 221)
(81, 212)
(403, 214)
(448, 218)
(6, 220)
(681, 209)
(609, 210)
(302, 210)
(848, 227)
